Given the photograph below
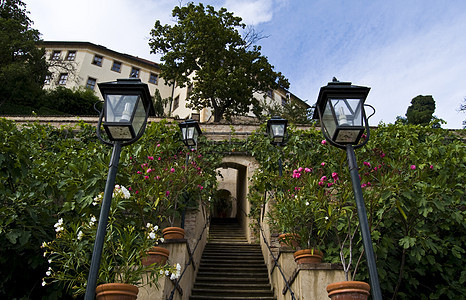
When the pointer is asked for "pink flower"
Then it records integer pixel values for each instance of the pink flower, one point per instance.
(159, 158)
(167, 193)
(137, 192)
(150, 158)
(329, 184)
(322, 164)
(375, 169)
(146, 177)
(324, 178)
(139, 172)
(382, 155)
(157, 177)
(300, 169)
(200, 187)
(130, 157)
(321, 183)
(368, 164)
(335, 176)
(323, 142)
(307, 170)
(149, 170)
(172, 170)
(158, 145)
(364, 136)
(431, 167)
(413, 167)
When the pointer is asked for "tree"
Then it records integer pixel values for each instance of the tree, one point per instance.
(463, 109)
(421, 110)
(206, 48)
(22, 64)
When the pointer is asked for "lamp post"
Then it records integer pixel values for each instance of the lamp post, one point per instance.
(126, 108)
(276, 130)
(340, 108)
(190, 131)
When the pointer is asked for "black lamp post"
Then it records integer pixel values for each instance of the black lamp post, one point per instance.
(190, 131)
(340, 108)
(276, 129)
(126, 108)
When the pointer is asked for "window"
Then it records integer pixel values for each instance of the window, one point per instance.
(176, 103)
(116, 66)
(189, 90)
(63, 78)
(55, 55)
(134, 73)
(48, 78)
(153, 78)
(71, 55)
(91, 83)
(270, 93)
(97, 60)
(284, 101)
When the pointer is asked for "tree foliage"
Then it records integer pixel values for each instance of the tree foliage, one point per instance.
(22, 64)
(206, 48)
(421, 110)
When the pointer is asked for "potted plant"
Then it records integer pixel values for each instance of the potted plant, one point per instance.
(126, 246)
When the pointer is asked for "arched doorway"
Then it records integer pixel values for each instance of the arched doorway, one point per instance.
(233, 185)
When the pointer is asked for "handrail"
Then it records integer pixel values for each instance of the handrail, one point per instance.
(276, 264)
(177, 281)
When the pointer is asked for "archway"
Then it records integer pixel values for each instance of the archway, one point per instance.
(236, 170)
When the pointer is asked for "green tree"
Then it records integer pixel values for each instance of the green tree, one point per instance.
(22, 64)
(206, 48)
(421, 110)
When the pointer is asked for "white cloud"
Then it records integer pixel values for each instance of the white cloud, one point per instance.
(252, 12)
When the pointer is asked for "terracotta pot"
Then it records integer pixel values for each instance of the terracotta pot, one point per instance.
(173, 233)
(308, 256)
(348, 290)
(116, 291)
(289, 240)
(156, 255)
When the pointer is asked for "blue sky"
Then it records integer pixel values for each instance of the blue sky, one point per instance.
(400, 49)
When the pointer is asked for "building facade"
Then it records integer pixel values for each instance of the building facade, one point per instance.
(84, 64)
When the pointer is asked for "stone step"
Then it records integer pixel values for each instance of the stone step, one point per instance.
(231, 292)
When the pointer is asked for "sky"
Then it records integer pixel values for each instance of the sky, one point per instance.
(398, 48)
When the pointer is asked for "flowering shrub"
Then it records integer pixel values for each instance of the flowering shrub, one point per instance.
(165, 178)
(125, 246)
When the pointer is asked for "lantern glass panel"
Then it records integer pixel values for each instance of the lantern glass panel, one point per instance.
(190, 135)
(139, 116)
(348, 112)
(278, 132)
(120, 107)
(328, 120)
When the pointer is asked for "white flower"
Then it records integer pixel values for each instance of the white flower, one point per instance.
(50, 261)
(59, 223)
(48, 273)
(161, 272)
(156, 228)
(44, 244)
(92, 221)
(307, 203)
(148, 225)
(326, 218)
(172, 276)
(80, 235)
(58, 228)
(43, 283)
(125, 192)
(167, 273)
(152, 235)
(178, 267)
(162, 240)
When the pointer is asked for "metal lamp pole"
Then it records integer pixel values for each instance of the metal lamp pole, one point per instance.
(103, 220)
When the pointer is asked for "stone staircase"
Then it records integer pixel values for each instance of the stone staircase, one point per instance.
(231, 268)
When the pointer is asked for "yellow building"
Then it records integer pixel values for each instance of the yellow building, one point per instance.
(84, 64)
